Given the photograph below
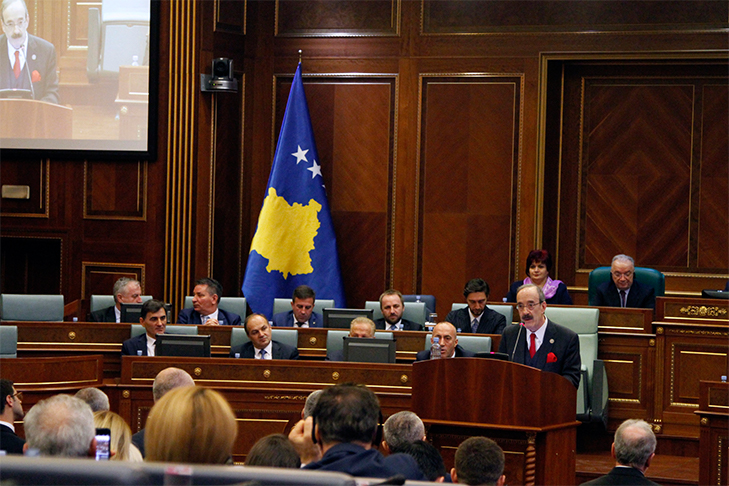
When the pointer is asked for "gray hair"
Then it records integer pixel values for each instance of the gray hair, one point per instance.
(623, 258)
(364, 320)
(60, 426)
(95, 398)
(120, 284)
(403, 428)
(635, 442)
(311, 402)
(169, 379)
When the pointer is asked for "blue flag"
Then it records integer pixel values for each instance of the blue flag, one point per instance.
(294, 243)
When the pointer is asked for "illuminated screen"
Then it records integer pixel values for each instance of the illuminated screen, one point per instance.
(80, 82)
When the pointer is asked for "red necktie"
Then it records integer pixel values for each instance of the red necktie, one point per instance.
(16, 67)
(532, 345)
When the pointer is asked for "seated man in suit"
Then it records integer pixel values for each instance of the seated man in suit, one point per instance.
(392, 307)
(11, 409)
(633, 450)
(154, 320)
(302, 310)
(539, 342)
(623, 290)
(361, 327)
(205, 299)
(479, 461)
(449, 347)
(126, 291)
(260, 345)
(477, 318)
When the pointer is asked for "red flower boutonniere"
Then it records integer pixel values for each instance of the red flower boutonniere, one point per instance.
(35, 77)
(551, 358)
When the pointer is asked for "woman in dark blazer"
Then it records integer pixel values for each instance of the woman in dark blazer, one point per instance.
(538, 266)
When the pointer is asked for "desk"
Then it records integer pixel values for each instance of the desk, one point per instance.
(714, 440)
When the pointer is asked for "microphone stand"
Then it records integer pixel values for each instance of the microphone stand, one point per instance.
(27, 67)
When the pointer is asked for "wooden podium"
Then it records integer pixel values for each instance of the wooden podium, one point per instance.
(35, 119)
(530, 413)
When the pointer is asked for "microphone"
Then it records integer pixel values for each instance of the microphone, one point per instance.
(30, 79)
(521, 326)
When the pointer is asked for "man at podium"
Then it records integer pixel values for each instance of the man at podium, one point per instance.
(27, 62)
(539, 342)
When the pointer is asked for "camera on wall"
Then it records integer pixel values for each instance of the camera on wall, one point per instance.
(221, 78)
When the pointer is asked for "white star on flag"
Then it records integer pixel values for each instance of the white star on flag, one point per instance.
(300, 155)
(315, 170)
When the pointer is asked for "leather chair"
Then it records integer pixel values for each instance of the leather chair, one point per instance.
(504, 309)
(189, 329)
(474, 343)
(99, 302)
(412, 311)
(428, 299)
(8, 341)
(592, 394)
(644, 275)
(284, 305)
(31, 307)
(236, 305)
(336, 343)
(238, 336)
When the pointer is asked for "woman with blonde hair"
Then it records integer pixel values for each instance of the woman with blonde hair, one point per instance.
(121, 436)
(193, 425)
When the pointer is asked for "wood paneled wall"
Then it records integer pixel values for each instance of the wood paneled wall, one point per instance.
(455, 136)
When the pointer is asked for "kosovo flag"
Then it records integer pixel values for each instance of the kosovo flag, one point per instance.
(294, 243)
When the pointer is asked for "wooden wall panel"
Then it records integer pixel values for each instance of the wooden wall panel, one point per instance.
(32, 173)
(469, 158)
(115, 191)
(322, 17)
(99, 277)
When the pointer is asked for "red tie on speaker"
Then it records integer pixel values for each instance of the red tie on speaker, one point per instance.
(532, 344)
(16, 67)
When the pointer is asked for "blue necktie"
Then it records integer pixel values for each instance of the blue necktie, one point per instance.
(263, 354)
(474, 326)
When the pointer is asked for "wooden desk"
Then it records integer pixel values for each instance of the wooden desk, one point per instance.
(714, 440)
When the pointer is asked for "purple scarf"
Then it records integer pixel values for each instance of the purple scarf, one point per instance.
(550, 286)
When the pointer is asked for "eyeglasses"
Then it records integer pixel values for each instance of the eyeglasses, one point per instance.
(18, 395)
(529, 305)
(627, 274)
(11, 25)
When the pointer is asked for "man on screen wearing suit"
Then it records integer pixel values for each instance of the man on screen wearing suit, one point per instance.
(205, 299)
(449, 347)
(623, 290)
(476, 317)
(26, 61)
(539, 342)
(302, 310)
(126, 291)
(154, 319)
(392, 307)
(260, 345)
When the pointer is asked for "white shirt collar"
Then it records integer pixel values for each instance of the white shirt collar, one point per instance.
(296, 323)
(117, 314)
(478, 318)
(214, 315)
(150, 345)
(269, 351)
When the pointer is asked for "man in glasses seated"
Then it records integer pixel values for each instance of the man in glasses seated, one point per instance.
(539, 342)
(623, 290)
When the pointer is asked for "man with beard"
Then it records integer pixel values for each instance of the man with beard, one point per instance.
(477, 318)
(392, 307)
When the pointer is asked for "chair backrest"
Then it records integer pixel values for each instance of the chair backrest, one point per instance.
(284, 305)
(237, 305)
(336, 343)
(428, 299)
(31, 307)
(504, 309)
(644, 275)
(583, 321)
(99, 302)
(412, 311)
(138, 329)
(8, 341)
(475, 344)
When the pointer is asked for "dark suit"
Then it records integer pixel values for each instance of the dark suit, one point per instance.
(286, 319)
(641, 296)
(138, 343)
(278, 350)
(103, 315)
(191, 316)
(9, 441)
(491, 322)
(622, 476)
(460, 353)
(138, 440)
(407, 325)
(369, 463)
(40, 66)
(559, 340)
(561, 297)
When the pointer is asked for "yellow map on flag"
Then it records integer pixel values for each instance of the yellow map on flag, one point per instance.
(285, 234)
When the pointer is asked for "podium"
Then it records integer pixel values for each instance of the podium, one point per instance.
(35, 119)
(528, 412)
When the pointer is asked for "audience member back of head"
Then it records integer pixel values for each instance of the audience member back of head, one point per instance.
(274, 450)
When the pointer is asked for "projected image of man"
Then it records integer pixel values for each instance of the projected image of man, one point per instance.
(26, 62)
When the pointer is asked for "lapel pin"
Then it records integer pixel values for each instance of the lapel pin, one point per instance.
(33, 57)
(551, 341)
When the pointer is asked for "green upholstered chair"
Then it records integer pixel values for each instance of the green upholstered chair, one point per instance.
(191, 329)
(284, 305)
(8, 341)
(474, 343)
(592, 394)
(644, 275)
(504, 309)
(237, 305)
(31, 307)
(412, 311)
(428, 299)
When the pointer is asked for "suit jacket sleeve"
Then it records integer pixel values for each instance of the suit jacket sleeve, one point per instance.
(231, 318)
(183, 317)
(284, 351)
(103, 315)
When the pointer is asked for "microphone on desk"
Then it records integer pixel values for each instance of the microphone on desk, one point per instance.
(30, 79)
(521, 326)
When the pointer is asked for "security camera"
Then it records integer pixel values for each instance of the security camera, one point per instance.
(221, 78)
